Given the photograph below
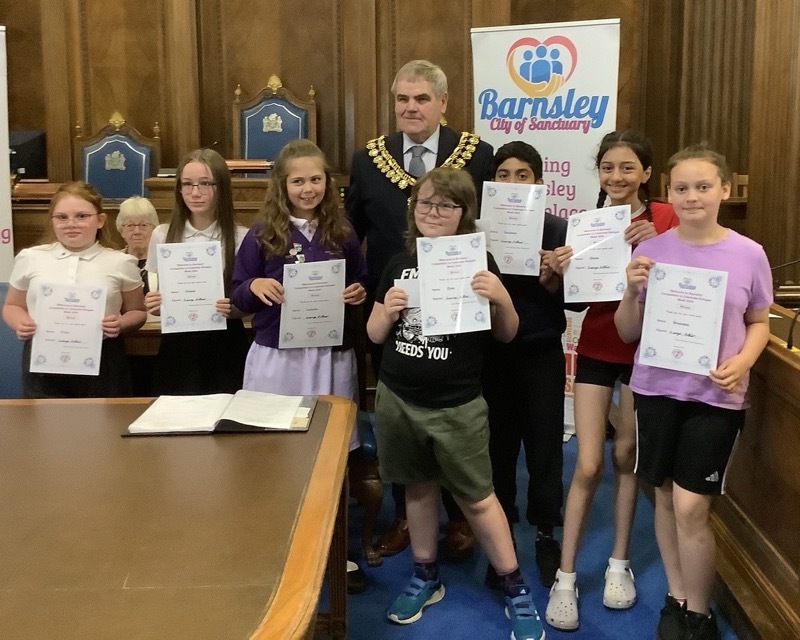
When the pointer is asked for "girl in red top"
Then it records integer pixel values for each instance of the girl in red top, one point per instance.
(624, 164)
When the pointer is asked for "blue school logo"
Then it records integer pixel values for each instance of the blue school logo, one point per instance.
(686, 283)
(189, 257)
(72, 297)
(514, 198)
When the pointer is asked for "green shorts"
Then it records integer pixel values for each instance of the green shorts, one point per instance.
(449, 446)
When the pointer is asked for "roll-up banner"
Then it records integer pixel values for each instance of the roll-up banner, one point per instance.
(553, 86)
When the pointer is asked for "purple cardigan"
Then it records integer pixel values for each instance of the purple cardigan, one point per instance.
(251, 263)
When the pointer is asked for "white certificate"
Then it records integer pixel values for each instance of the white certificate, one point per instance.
(596, 271)
(312, 314)
(411, 287)
(190, 281)
(446, 268)
(69, 329)
(683, 318)
(515, 214)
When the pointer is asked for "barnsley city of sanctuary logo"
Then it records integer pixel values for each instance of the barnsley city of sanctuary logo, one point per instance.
(540, 68)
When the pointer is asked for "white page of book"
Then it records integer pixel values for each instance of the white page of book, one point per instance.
(182, 413)
(265, 410)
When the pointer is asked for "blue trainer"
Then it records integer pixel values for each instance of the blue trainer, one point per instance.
(419, 593)
(525, 622)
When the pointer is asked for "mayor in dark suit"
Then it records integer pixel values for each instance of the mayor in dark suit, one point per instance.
(381, 178)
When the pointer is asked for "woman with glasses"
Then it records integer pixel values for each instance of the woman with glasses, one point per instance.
(77, 252)
(136, 220)
(201, 362)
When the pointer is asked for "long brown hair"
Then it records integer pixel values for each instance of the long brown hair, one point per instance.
(274, 217)
(84, 191)
(223, 205)
(453, 184)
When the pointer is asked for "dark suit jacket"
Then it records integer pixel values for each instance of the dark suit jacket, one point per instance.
(377, 208)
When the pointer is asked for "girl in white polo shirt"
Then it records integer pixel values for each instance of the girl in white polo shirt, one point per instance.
(78, 254)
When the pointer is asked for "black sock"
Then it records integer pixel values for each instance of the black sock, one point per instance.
(511, 580)
(427, 570)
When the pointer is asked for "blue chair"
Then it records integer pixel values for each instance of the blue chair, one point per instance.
(118, 159)
(264, 124)
(11, 360)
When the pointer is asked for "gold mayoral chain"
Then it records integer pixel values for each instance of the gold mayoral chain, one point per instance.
(388, 165)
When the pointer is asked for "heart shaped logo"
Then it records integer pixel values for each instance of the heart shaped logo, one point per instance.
(541, 67)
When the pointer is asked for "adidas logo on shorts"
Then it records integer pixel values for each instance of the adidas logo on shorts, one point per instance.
(714, 477)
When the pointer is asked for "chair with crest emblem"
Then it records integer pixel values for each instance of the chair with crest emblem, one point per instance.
(117, 159)
(265, 123)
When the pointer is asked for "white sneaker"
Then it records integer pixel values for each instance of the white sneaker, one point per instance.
(562, 608)
(619, 592)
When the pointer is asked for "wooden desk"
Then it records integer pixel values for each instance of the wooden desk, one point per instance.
(166, 537)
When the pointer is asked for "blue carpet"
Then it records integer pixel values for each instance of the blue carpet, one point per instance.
(470, 610)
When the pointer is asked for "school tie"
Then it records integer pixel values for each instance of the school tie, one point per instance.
(417, 167)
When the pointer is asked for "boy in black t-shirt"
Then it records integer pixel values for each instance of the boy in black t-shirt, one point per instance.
(432, 422)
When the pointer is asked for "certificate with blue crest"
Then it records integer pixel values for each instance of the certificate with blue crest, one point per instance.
(312, 314)
(69, 329)
(596, 271)
(515, 217)
(190, 281)
(446, 268)
(682, 318)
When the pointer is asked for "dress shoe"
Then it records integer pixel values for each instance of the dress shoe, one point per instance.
(395, 539)
(356, 579)
(459, 541)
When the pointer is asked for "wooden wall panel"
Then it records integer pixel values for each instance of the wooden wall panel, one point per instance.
(775, 133)
(119, 59)
(716, 78)
(661, 91)
(25, 70)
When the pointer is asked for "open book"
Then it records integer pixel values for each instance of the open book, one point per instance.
(244, 411)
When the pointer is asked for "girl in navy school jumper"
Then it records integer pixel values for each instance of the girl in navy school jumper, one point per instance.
(301, 222)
